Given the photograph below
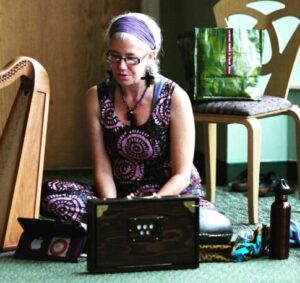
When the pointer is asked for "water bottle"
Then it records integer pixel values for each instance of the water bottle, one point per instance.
(280, 222)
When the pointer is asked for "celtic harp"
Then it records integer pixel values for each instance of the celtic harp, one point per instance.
(22, 144)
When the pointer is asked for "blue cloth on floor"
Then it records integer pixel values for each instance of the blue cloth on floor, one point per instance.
(254, 243)
(294, 233)
(246, 247)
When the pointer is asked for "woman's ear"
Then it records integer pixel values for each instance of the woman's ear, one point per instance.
(151, 55)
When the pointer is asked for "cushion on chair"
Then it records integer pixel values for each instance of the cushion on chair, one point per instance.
(215, 228)
(243, 108)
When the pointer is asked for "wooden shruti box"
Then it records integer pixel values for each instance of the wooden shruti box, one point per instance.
(143, 234)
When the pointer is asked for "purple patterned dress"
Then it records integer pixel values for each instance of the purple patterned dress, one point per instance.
(140, 158)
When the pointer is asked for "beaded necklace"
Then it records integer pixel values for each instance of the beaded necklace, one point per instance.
(130, 113)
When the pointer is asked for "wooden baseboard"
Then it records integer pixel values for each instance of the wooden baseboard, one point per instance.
(226, 173)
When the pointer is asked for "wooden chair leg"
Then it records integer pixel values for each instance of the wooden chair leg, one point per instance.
(210, 149)
(295, 114)
(254, 151)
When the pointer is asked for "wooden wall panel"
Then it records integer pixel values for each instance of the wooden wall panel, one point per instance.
(66, 37)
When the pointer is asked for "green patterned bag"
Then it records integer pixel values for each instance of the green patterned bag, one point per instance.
(222, 63)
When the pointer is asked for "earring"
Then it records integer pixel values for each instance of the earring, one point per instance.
(148, 78)
(109, 76)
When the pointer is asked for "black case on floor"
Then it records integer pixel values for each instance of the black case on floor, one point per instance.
(51, 240)
(143, 234)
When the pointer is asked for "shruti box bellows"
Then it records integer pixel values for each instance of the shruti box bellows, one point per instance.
(143, 234)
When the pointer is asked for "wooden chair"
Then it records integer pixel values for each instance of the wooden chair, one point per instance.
(274, 101)
(22, 146)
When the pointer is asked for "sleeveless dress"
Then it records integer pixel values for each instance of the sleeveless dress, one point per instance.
(140, 158)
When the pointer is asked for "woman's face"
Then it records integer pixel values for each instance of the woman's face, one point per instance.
(127, 74)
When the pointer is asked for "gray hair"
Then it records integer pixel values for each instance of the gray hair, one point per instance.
(153, 68)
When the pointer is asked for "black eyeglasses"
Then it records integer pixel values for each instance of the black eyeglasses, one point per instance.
(129, 60)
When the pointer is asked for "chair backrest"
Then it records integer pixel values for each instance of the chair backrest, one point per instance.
(22, 147)
(281, 63)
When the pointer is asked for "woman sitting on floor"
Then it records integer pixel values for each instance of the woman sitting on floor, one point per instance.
(140, 125)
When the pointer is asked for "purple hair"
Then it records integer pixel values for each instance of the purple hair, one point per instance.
(135, 27)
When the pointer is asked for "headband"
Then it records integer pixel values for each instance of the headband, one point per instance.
(135, 27)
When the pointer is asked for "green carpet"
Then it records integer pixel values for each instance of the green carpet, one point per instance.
(234, 205)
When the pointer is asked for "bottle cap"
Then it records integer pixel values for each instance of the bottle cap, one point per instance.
(282, 187)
